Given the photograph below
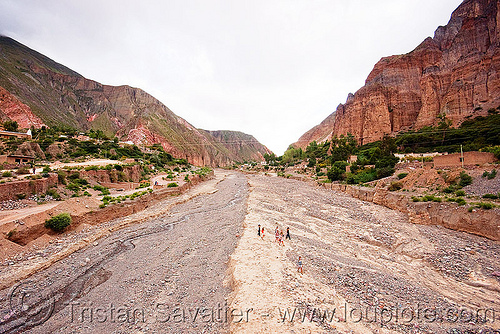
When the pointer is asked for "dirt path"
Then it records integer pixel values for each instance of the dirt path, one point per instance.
(142, 272)
(10, 215)
(360, 256)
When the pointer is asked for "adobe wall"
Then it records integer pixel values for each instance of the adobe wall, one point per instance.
(9, 190)
(470, 159)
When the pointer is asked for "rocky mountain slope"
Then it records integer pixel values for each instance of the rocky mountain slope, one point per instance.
(241, 144)
(456, 74)
(36, 91)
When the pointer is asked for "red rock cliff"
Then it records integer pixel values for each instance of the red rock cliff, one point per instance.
(456, 73)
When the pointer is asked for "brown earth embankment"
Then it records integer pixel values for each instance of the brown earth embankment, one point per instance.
(450, 215)
(25, 235)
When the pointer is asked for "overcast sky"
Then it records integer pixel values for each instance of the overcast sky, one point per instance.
(272, 68)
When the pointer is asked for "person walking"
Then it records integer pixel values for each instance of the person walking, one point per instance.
(288, 233)
(299, 266)
(258, 231)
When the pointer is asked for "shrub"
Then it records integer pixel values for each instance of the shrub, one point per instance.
(23, 170)
(74, 176)
(402, 175)
(121, 176)
(144, 185)
(46, 169)
(459, 201)
(61, 177)
(21, 196)
(45, 175)
(172, 185)
(395, 186)
(7, 174)
(73, 187)
(465, 179)
(490, 175)
(384, 172)
(11, 233)
(335, 173)
(431, 198)
(10, 125)
(91, 168)
(53, 193)
(486, 206)
(102, 189)
(490, 196)
(58, 223)
(186, 178)
(449, 189)
(460, 193)
(81, 182)
(86, 193)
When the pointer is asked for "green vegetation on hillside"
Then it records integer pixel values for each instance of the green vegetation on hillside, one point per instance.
(377, 160)
(476, 134)
(98, 146)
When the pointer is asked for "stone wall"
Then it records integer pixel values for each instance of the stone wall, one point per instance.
(9, 190)
(450, 215)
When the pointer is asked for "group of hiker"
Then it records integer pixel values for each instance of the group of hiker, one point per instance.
(280, 236)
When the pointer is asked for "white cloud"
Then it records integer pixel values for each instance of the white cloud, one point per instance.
(271, 68)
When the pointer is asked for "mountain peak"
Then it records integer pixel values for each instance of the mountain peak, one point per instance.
(51, 94)
(454, 73)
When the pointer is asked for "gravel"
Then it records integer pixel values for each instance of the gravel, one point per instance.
(371, 256)
(178, 259)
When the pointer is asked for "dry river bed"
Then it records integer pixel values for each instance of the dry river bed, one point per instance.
(200, 267)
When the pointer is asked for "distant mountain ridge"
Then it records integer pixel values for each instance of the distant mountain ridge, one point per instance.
(37, 91)
(456, 74)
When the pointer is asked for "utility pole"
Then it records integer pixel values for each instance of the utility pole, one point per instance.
(462, 155)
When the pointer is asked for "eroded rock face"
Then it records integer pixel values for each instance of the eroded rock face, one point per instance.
(30, 149)
(13, 109)
(456, 73)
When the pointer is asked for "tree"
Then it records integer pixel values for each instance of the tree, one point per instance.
(443, 124)
(342, 147)
(292, 155)
(10, 125)
(270, 157)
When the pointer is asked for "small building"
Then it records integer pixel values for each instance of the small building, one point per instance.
(125, 143)
(82, 137)
(352, 158)
(11, 134)
(469, 159)
(16, 159)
